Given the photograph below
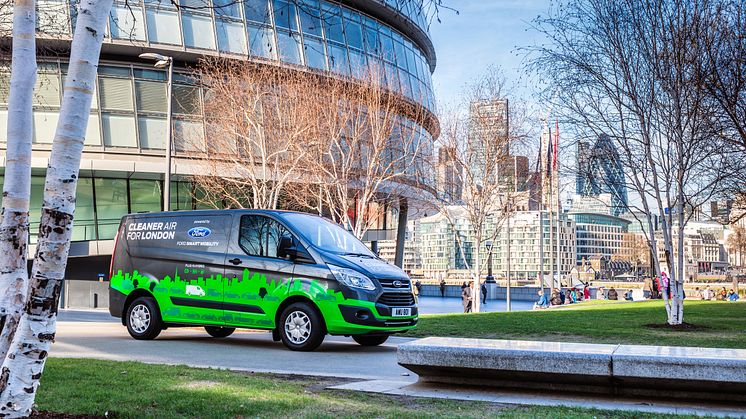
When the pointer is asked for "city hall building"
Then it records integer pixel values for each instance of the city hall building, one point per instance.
(123, 164)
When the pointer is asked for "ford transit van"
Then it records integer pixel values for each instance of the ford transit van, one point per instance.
(296, 274)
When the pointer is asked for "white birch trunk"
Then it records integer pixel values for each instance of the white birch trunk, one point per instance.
(14, 221)
(28, 353)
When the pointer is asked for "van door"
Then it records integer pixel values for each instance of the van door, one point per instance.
(256, 277)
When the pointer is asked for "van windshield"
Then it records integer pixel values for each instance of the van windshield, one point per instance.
(326, 235)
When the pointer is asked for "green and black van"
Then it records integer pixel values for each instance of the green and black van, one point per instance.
(296, 274)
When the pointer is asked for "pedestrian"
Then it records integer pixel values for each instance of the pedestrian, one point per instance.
(601, 293)
(656, 288)
(562, 296)
(573, 296)
(723, 294)
(613, 294)
(418, 285)
(707, 294)
(483, 290)
(466, 296)
(665, 285)
(416, 291)
(698, 294)
(586, 292)
(442, 287)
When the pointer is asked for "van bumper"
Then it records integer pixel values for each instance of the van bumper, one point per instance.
(116, 302)
(363, 316)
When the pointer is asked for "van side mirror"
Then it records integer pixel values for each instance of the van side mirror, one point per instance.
(290, 249)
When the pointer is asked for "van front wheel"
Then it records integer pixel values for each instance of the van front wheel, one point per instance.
(219, 332)
(366, 340)
(144, 319)
(301, 328)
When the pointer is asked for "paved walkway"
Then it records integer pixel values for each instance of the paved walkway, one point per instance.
(94, 334)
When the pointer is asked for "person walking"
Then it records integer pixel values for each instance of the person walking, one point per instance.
(483, 290)
(418, 285)
(467, 294)
(442, 288)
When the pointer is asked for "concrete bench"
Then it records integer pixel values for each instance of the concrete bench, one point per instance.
(628, 370)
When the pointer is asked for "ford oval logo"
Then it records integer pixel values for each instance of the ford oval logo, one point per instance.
(397, 284)
(198, 232)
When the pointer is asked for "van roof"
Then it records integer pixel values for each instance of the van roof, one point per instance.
(208, 212)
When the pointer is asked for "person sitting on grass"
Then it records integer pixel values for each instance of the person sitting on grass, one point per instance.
(732, 295)
(543, 300)
(628, 296)
(573, 296)
(722, 295)
(698, 294)
(613, 294)
(555, 300)
(562, 296)
(601, 293)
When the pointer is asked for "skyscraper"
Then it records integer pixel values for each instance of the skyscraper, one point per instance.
(599, 171)
(488, 139)
(450, 175)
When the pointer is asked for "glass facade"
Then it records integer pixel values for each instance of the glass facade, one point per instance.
(101, 202)
(318, 34)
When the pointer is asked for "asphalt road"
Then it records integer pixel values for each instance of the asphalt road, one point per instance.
(94, 334)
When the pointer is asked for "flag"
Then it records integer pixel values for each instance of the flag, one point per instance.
(555, 146)
(550, 153)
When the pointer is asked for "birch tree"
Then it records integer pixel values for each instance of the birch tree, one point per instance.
(479, 143)
(23, 366)
(627, 69)
(14, 219)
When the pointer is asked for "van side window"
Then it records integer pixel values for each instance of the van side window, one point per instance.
(260, 236)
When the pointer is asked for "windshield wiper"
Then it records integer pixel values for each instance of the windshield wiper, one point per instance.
(358, 254)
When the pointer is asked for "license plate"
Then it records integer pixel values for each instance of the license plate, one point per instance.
(402, 312)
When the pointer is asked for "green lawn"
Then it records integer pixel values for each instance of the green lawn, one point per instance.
(135, 390)
(721, 324)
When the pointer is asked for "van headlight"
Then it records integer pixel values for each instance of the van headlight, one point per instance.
(352, 278)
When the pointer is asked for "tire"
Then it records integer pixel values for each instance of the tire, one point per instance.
(144, 319)
(219, 332)
(367, 340)
(301, 327)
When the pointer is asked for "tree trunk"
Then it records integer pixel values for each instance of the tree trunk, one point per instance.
(477, 291)
(14, 222)
(25, 361)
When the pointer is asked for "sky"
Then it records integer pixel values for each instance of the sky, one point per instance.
(484, 32)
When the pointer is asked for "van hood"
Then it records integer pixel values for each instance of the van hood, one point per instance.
(373, 268)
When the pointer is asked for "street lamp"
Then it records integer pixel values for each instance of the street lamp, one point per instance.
(163, 61)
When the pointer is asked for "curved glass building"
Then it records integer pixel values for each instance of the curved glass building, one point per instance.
(123, 165)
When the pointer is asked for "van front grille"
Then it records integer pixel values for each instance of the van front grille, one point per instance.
(389, 283)
(396, 299)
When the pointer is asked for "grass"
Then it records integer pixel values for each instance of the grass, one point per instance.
(136, 390)
(720, 324)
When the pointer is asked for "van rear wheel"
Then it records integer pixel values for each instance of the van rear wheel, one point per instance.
(219, 332)
(366, 340)
(144, 319)
(301, 327)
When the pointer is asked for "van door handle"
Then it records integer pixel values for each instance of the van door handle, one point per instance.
(235, 261)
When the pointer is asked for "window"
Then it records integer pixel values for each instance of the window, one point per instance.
(45, 123)
(333, 24)
(260, 236)
(310, 18)
(188, 136)
(162, 26)
(84, 227)
(111, 205)
(315, 54)
(231, 37)
(145, 195)
(152, 132)
(126, 22)
(288, 44)
(151, 96)
(198, 31)
(261, 40)
(353, 31)
(338, 61)
(227, 8)
(186, 100)
(119, 130)
(257, 11)
(285, 16)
